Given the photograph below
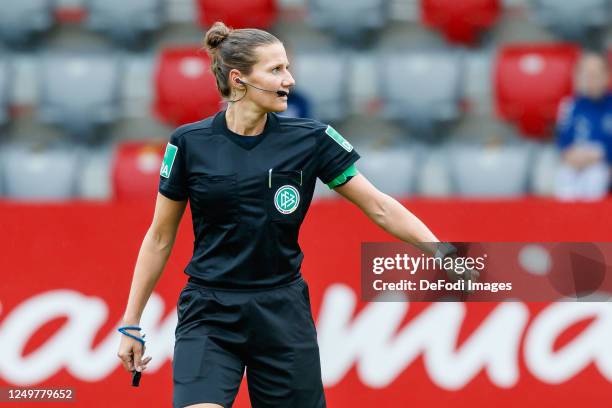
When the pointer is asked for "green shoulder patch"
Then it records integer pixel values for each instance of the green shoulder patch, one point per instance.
(169, 155)
(333, 133)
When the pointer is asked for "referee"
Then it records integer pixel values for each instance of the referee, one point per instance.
(249, 175)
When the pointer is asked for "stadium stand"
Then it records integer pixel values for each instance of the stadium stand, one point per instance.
(403, 82)
(351, 22)
(530, 81)
(178, 73)
(94, 180)
(495, 171)
(421, 89)
(80, 91)
(433, 177)
(391, 170)
(323, 192)
(38, 173)
(126, 22)
(5, 82)
(571, 19)
(22, 20)
(545, 165)
(328, 93)
(238, 13)
(460, 22)
(136, 170)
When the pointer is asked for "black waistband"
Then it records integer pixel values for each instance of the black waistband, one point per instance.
(206, 285)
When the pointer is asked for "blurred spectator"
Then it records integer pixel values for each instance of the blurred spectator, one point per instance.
(584, 133)
(297, 105)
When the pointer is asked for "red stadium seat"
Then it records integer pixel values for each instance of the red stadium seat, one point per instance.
(460, 21)
(530, 81)
(135, 170)
(185, 89)
(238, 13)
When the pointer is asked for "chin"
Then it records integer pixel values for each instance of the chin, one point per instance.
(278, 108)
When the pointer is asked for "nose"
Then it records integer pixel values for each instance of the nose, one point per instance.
(288, 81)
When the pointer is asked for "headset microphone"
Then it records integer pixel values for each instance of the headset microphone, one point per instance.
(279, 93)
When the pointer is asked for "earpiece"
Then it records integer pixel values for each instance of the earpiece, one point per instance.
(279, 93)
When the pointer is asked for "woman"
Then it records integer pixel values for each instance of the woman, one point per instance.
(249, 175)
(584, 133)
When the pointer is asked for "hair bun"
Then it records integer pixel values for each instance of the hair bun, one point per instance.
(216, 35)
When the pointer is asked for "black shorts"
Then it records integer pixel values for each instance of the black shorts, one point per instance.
(270, 332)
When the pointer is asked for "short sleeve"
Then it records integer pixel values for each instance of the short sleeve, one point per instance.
(334, 154)
(172, 174)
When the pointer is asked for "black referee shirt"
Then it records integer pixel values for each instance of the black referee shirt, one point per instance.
(248, 198)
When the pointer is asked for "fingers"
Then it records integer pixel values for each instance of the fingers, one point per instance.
(126, 360)
(138, 358)
(145, 361)
(130, 364)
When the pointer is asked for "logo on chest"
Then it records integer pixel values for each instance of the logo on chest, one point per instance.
(286, 199)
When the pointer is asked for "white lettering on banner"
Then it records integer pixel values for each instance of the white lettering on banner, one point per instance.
(592, 345)
(372, 340)
(70, 347)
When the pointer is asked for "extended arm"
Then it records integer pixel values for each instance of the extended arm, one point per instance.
(152, 258)
(388, 213)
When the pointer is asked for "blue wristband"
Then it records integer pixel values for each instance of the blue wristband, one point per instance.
(123, 330)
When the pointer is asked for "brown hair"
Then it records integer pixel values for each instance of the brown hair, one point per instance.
(233, 49)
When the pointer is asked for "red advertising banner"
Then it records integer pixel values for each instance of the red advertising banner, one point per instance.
(66, 271)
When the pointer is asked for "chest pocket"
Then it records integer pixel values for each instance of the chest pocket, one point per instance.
(216, 198)
(284, 195)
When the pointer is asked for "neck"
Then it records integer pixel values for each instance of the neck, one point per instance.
(245, 121)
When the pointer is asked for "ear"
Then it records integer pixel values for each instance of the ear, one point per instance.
(234, 77)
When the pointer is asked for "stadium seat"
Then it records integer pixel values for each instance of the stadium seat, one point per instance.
(530, 81)
(20, 20)
(39, 174)
(421, 90)
(238, 13)
(498, 171)
(94, 181)
(433, 179)
(352, 22)
(126, 22)
(392, 170)
(572, 19)
(322, 192)
(185, 89)
(460, 21)
(544, 172)
(2, 158)
(5, 82)
(322, 78)
(135, 171)
(80, 91)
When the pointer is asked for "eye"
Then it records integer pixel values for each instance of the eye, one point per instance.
(276, 70)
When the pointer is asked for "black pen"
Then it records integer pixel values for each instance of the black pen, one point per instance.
(136, 378)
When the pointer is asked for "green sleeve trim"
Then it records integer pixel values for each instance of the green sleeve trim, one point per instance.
(351, 171)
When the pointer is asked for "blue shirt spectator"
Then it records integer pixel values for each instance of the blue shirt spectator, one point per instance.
(584, 133)
(297, 105)
(587, 121)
